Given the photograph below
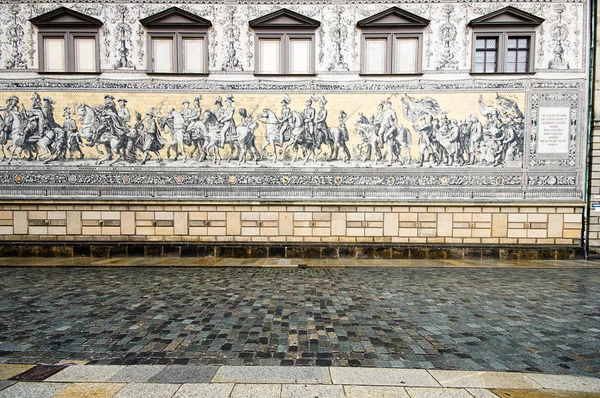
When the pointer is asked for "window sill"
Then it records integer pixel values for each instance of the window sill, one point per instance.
(502, 74)
(284, 75)
(176, 74)
(390, 74)
(70, 73)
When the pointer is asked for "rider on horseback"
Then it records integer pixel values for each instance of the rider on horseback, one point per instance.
(12, 107)
(112, 121)
(322, 119)
(227, 121)
(286, 113)
(309, 119)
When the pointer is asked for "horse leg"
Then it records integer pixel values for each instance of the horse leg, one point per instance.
(160, 159)
(182, 147)
(169, 150)
(274, 151)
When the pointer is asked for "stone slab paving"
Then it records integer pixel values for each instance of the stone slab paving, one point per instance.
(6, 383)
(375, 392)
(341, 382)
(146, 390)
(10, 370)
(212, 390)
(136, 373)
(438, 393)
(256, 391)
(33, 389)
(554, 382)
(90, 390)
(449, 378)
(383, 377)
(77, 373)
(184, 374)
(311, 390)
(271, 374)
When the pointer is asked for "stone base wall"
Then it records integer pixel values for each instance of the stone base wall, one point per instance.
(294, 224)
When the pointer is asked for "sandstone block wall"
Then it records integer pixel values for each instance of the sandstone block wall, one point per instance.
(294, 223)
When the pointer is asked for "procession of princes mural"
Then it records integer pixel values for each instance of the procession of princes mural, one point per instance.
(113, 134)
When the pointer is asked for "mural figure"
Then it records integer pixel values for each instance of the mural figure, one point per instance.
(123, 112)
(245, 136)
(11, 114)
(150, 140)
(228, 125)
(176, 123)
(367, 131)
(285, 115)
(195, 128)
(74, 141)
(340, 136)
(273, 135)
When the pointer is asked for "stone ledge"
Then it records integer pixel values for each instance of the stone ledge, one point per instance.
(357, 251)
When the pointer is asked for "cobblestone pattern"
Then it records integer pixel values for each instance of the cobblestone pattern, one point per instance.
(300, 223)
(537, 320)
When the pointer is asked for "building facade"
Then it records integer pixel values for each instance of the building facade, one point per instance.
(321, 128)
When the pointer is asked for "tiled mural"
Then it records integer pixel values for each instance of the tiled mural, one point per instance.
(443, 135)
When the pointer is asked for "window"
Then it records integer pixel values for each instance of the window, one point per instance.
(392, 43)
(177, 42)
(285, 43)
(502, 42)
(68, 42)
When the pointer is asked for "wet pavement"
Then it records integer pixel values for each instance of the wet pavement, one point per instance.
(538, 320)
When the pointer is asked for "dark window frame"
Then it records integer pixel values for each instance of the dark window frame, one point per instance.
(80, 26)
(390, 58)
(284, 51)
(292, 26)
(506, 23)
(195, 27)
(393, 24)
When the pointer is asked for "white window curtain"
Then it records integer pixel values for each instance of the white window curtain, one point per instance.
(162, 54)
(54, 54)
(193, 57)
(300, 59)
(270, 59)
(407, 50)
(375, 56)
(85, 55)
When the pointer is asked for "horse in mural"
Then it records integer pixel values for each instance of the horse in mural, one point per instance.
(246, 142)
(300, 138)
(20, 132)
(210, 137)
(272, 136)
(174, 120)
(367, 133)
(97, 132)
(195, 134)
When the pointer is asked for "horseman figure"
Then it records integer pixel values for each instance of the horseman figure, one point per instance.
(322, 119)
(48, 111)
(309, 120)
(226, 120)
(286, 113)
(112, 121)
(37, 112)
(11, 110)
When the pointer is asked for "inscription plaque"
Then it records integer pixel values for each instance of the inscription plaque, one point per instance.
(553, 135)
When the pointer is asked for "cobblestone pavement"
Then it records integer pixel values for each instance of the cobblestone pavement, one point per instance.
(519, 319)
